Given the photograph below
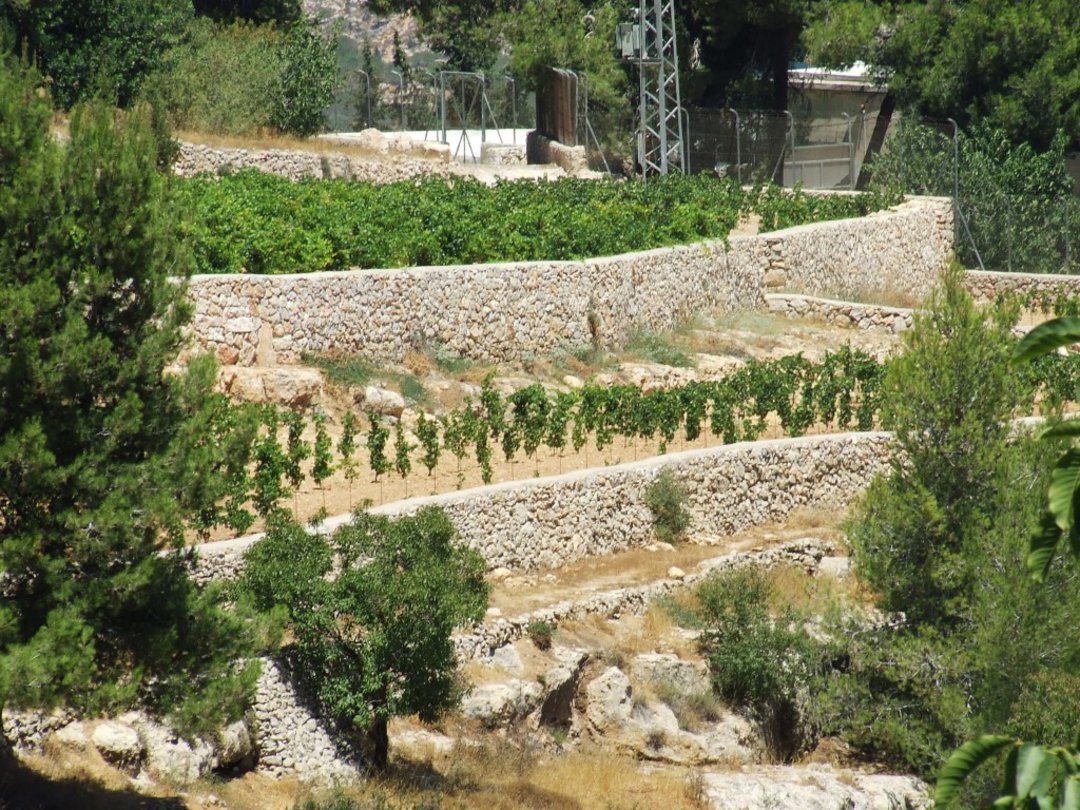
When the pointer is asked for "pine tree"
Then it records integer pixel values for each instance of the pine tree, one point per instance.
(102, 464)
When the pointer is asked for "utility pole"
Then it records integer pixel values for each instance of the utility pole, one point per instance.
(649, 42)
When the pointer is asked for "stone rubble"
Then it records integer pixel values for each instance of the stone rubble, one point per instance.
(842, 313)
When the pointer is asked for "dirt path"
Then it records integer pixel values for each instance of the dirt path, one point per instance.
(523, 593)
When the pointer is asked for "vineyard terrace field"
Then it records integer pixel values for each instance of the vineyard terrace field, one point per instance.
(259, 223)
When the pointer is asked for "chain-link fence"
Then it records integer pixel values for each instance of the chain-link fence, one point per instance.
(1008, 218)
(789, 148)
(430, 102)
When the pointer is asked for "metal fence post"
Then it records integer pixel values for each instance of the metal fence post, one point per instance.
(738, 145)
(400, 98)
(367, 96)
(442, 105)
(956, 181)
(851, 154)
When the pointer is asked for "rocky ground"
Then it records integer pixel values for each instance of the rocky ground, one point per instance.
(582, 690)
(610, 707)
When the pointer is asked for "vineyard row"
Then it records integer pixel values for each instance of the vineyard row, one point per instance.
(264, 456)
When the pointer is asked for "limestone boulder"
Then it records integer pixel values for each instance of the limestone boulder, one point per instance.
(372, 140)
(73, 735)
(508, 658)
(235, 745)
(381, 400)
(686, 677)
(835, 567)
(292, 387)
(561, 684)
(609, 700)
(169, 756)
(295, 387)
(813, 788)
(118, 744)
(499, 704)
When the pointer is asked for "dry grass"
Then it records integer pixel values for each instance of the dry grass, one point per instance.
(504, 775)
(793, 587)
(881, 295)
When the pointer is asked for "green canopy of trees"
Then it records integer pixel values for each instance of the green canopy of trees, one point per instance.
(103, 455)
(1011, 64)
(372, 642)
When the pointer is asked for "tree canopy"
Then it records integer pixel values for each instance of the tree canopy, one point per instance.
(373, 642)
(103, 456)
(1013, 65)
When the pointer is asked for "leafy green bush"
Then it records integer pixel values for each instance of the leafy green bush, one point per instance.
(666, 499)
(191, 87)
(306, 83)
(259, 223)
(277, 78)
(1047, 707)
(373, 642)
(942, 539)
(755, 660)
(750, 656)
(540, 633)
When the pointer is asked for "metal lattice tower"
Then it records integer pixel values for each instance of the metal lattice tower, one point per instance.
(650, 44)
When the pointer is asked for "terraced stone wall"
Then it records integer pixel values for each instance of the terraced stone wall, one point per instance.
(499, 312)
(548, 522)
(985, 285)
(423, 160)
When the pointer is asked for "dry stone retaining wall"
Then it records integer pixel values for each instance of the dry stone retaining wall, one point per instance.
(298, 165)
(985, 285)
(899, 250)
(552, 521)
(842, 313)
(498, 312)
(292, 739)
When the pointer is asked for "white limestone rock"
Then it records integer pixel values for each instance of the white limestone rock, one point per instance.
(687, 677)
(381, 400)
(118, 744)
(814, 788)
(499, 704)
(609, 700)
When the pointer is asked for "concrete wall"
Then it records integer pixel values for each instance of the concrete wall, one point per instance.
(498, 312)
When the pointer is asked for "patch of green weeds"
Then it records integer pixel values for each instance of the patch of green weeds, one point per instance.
(659, 349)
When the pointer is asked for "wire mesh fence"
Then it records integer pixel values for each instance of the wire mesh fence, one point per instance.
(786, 147)
(427, 101)
(997, 227)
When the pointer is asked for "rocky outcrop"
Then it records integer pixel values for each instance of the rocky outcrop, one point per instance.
(289, 386)
(119, 744)
(813, 788)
